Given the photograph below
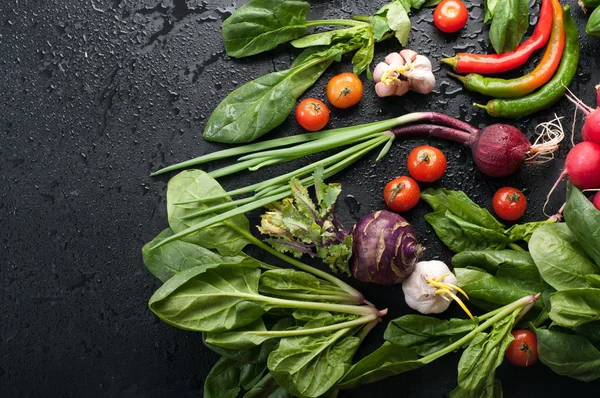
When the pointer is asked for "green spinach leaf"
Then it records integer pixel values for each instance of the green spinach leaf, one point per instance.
(583, 220)
(227, 237)
(559, 257)
(490, 6)
(228, 376)
(590, 331)
(509, 24)
(492, 260)
(459, 204)
(309, 366)
(460, 235)
(259, 106)
(177, 256)
(568, 355)
(261, 25)
(574, 307)
(210, 298)
(593, 280)
(267, 387)
(388, 360)
(426, 334)
(478, 363)
(509, 284)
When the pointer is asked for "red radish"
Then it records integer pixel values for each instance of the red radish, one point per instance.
(596, 200)
(591, 128)
(582, 166)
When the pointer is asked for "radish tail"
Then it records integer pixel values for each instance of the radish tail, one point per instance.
(573, 128)
(578, 103)
(547, 142)
(560, 177)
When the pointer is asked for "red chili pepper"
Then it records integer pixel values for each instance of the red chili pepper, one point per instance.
(497, 63)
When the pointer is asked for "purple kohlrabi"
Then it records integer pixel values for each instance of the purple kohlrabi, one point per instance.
(384, 248)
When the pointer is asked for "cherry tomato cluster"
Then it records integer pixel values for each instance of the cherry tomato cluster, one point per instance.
(425, 164)
(343, 91)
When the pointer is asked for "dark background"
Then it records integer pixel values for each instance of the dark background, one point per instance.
(98, 93)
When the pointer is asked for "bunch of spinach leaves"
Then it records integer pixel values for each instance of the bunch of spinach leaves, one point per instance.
(260, 105)
(284, 332)
(563, 263)
(509, 20)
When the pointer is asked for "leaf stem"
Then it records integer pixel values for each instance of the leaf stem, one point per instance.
(365, 319)
(336, 22)
(305, 267)
(344, 298)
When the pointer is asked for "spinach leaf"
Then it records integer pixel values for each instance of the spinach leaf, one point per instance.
(398, 20)
(478, 363)
(459, 204)
(210, 298)
(388, 360)
(460, 235)
(177, 256)
(491, 260)
(583, 220)
(257, 107)
(364, 56)
(590, 331)
(330, 36)
(261, 25)
(227, 237)
(593, 280)
(289, 280)
(574, 307)
(490, 6)
(426, 334)
(509, 24)
(559, 257)
(418, 4)
(267, 387)
(501, 289)
(568, 355)
(309, 366)
(227, 376)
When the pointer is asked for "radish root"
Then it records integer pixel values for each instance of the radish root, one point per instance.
(549, 136)
(585, 108)
(573, 128)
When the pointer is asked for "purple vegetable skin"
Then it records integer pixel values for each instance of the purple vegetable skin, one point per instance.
(384, 248)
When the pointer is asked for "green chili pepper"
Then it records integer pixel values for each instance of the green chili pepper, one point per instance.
(553, 90)
(593, 26)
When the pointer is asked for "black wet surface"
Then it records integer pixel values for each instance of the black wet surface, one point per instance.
(96, 94)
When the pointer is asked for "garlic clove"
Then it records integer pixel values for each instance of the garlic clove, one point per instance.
(408, 55)
(383, 90)
(380, 69)
(395, 60)
(402, 88)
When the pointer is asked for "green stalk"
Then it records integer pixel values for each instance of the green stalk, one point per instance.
(305, 267)
(227, 170)
(301, 332)
(309, 305)
(337, 22)
(343, 298)
(501, 313)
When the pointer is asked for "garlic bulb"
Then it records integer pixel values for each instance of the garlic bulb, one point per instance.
(402, 72)
(431, 288)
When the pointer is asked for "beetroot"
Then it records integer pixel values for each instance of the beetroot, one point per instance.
(499, 150)
(384, 248)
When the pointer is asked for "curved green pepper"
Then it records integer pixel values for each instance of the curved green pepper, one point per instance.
(593, 26)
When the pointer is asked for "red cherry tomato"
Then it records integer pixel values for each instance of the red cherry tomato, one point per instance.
(523, 350)
(401, 194)
(509, 203)
(450, 16)
(344, 90)
(426, 163)
(312, 114)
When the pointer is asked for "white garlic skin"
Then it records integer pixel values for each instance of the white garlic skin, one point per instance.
(419, 295)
